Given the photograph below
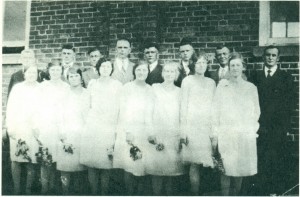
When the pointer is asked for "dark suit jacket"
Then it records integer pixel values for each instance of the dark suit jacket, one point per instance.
(18, 77)
(182, 73)
(155, 75)
(276, 99)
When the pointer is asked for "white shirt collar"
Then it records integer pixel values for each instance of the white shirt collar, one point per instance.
(153, 65)
(273, 70)
(119, 62)
(186, 67)
(67, 65)
(225, 69)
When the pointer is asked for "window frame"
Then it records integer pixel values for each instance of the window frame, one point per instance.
(265, 29)
(14, 57)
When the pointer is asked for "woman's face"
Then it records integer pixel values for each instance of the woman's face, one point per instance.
(74, 79)
(141, 72)
(236, 67)
(169, 74)
(31, 74)
(105, 69)
(201, 66)
(55, 72)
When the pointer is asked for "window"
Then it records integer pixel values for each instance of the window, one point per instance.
(15, 30)
(279, 23)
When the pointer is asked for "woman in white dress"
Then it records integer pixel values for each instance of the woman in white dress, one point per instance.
(98, 138)
(21, 124)
(236, 113)
(196, 106)
(73, 119)
(164, 162)
(52, 95)
(134, 122)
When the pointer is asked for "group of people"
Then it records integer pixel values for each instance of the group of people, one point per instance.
(149, 119)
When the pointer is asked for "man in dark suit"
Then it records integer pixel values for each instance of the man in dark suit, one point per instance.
(67, 58)
(27, 59)
(222, 55)
(155, 69)
(188, 58)
(91, 72)
(275, 90)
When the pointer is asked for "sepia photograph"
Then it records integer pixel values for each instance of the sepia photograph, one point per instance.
(150, 98)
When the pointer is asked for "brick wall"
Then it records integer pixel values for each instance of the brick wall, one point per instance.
(95, 23)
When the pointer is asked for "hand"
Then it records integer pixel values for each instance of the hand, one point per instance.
(35, 133)
(129, 138)
(152, 140)
(184, 141)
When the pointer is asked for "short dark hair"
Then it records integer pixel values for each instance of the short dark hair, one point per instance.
(99, 63)
(94, 49)
(186, 41)
(124, 39)
(74, 70)
(271, 47)
(68, 46)
(148, 45)
(221, 47)
(141, 62)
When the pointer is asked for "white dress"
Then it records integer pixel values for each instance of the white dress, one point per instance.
(50, 114)
(136, 107)
(196, 108)
(21, 116)
(236, 114)
(74, 113)
(166, 130)
(100, 130)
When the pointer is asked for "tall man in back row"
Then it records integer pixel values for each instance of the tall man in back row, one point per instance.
(275, 89)
(123, 67)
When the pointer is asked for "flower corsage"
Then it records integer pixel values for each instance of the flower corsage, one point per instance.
(135, 152)
(68, 148)
(158, 146)
(43, 156)
(218, 162)
(22, 150)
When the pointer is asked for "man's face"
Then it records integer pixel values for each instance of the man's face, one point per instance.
(271, 57)
(27, 60)
(123, 49)
(151, 55)
(186, 52)
(94, 57)
(223, 56)
(67, 56)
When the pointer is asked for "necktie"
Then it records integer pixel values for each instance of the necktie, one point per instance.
(269, 73)
(123, 68)
(222, 75)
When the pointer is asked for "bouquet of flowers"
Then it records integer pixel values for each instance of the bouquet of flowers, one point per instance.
(218, 162)
(110, 152)
(22, 149)
(43, 156)
(158, 146)
(135, 152)
(68, 148)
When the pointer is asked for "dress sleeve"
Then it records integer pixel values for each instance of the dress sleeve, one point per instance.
(185, 91)
(12, 110)
(256, 108)
(216, 111)
(149, 112)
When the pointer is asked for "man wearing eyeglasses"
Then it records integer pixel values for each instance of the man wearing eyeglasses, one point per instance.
(155, 69)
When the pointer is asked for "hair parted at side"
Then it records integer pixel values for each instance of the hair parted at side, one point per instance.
(271, 47)
(100, 62)
(125, 39)
(141, 62)
(236, 55)
(186, 41)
